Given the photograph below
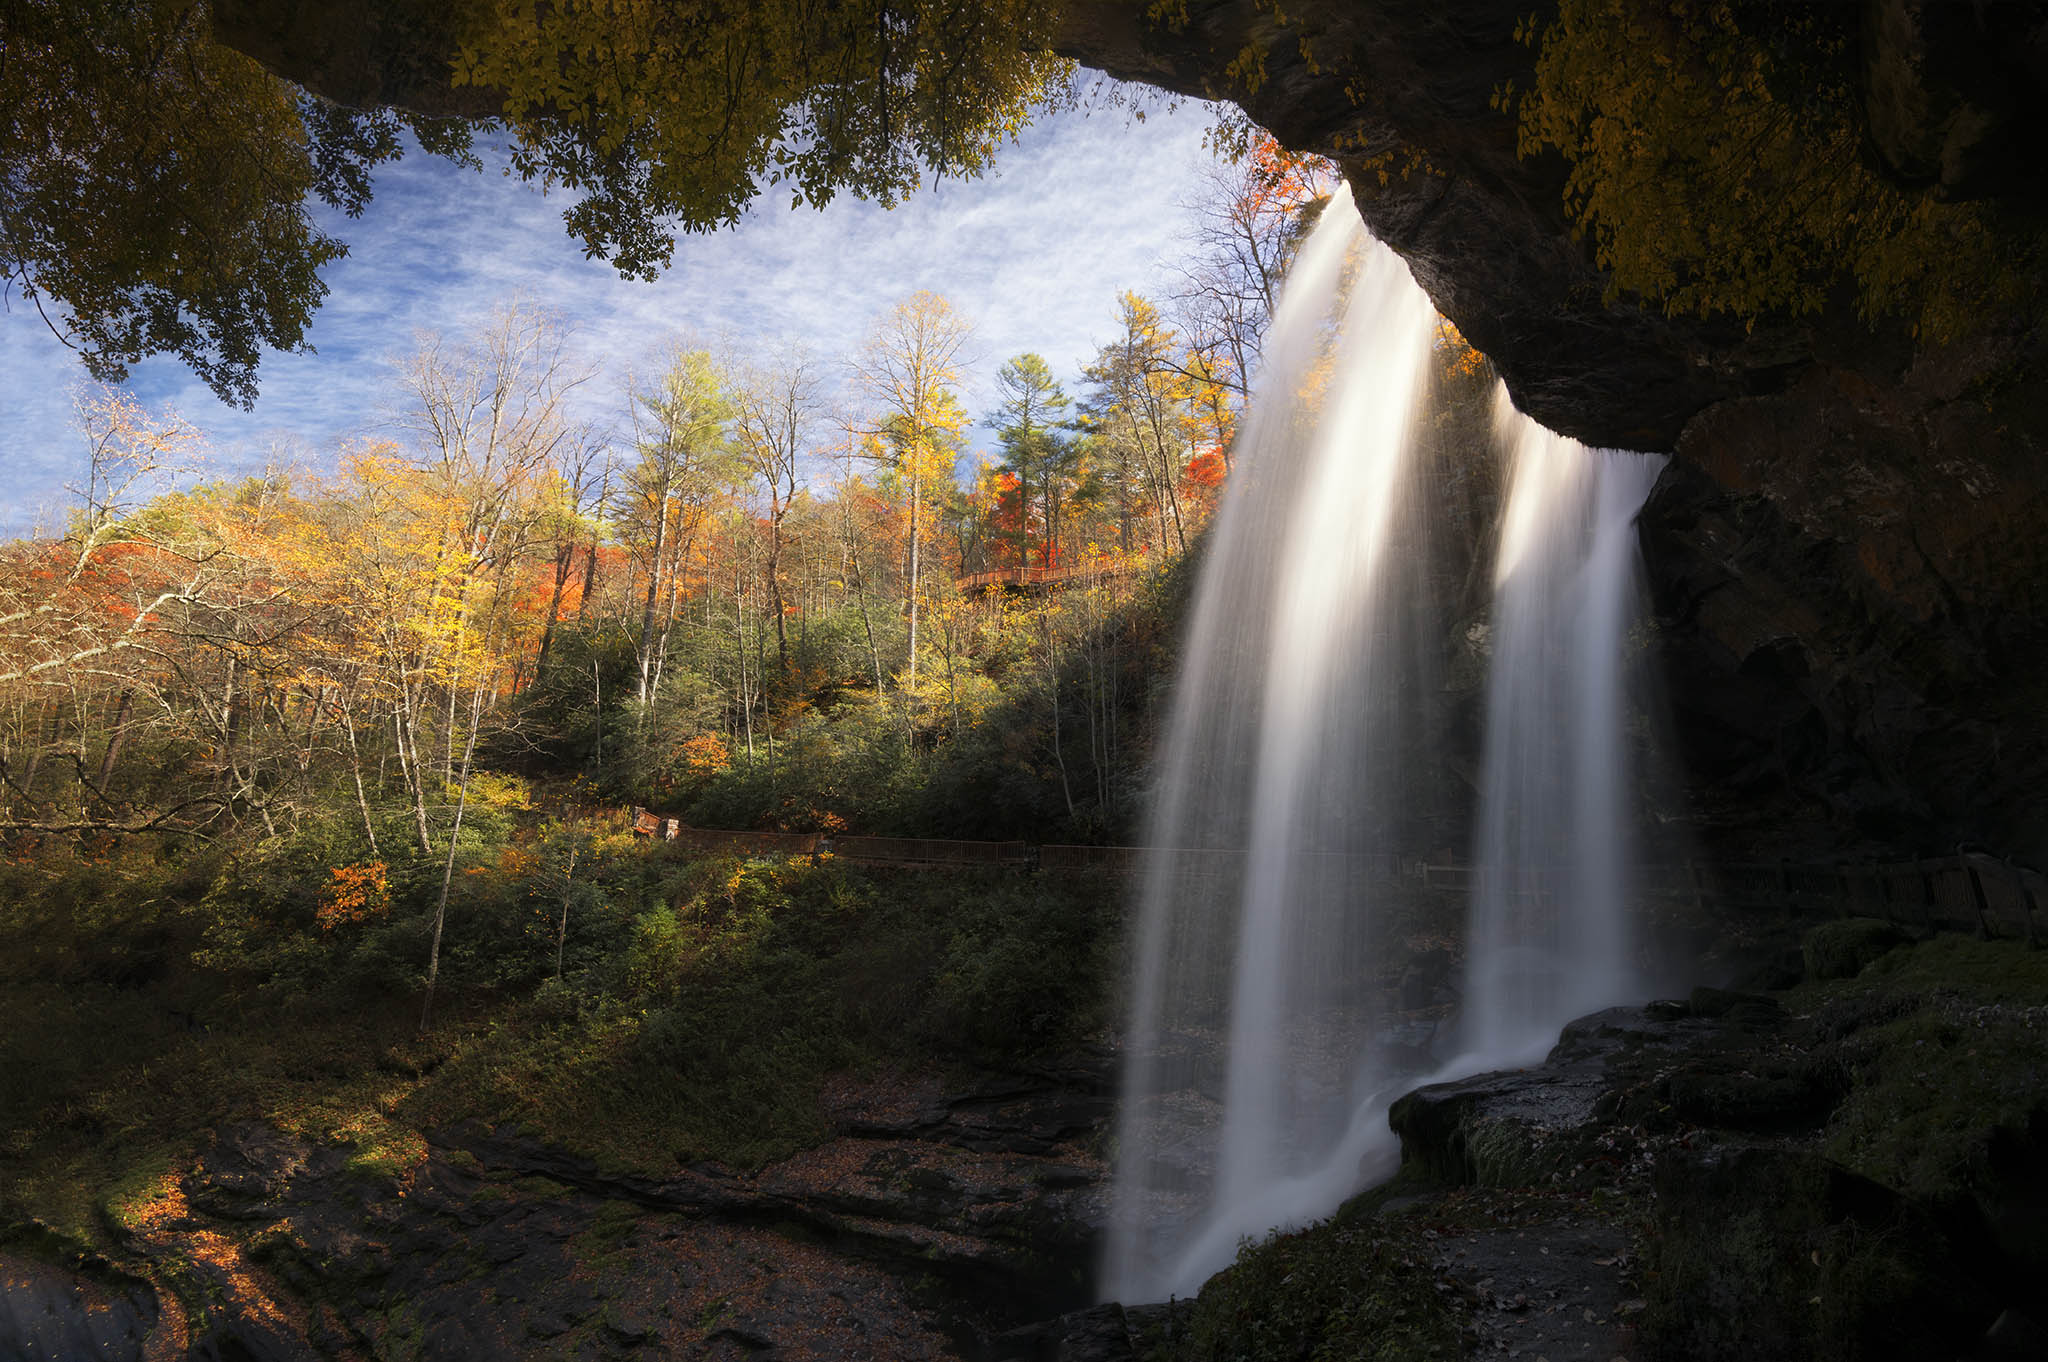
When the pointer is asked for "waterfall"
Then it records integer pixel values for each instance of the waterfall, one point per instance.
(1261, 1049)
(1550, 938)
(1250, 1048)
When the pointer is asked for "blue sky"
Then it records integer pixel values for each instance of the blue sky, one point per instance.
(1034, 255)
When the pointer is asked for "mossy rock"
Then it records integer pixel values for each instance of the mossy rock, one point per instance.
(1511, 1153)
(1733, 1096)
(1841, 950)
(1744, 1009)
(1355, 1287)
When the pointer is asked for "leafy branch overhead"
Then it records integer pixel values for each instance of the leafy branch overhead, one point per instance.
(158, 187)
(161, 178)
(668, 116)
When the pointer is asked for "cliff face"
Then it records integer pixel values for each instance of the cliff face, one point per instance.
(1845, 553)
(1855, 588)
(1402, 95)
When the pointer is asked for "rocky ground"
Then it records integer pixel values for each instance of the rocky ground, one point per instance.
(1845, 1167)
(940, 1213)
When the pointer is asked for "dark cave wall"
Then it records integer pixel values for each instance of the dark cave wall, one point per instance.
(1401, 94)
(1852, 584)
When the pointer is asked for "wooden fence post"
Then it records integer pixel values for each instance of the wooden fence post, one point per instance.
(2019, 885)
(1977, 898)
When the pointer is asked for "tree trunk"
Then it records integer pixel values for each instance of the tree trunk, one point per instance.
(45, 737)
(355, 762)
(409, 765)
(565, 557)
(739, 650)
(589, 580)
(568, 882)
(476, 701)
(312, 730)
(668, 619)
(597, 742)
(115, 738)
(775, 589)
(860, 597)
(1166, 474)
(1052, 676)
(911, 688)
(228, 723)
(653, 595)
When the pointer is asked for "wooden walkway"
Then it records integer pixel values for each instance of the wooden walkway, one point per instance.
(1970, 891)
(1028, 579)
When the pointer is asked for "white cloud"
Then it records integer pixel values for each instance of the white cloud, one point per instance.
(1034, 255)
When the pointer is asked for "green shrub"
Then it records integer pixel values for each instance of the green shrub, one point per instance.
(1840, 950)
(1026, 969)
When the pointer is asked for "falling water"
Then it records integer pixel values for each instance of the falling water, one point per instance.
(1261, 1055)
(1252, 1066)
(1550, 937)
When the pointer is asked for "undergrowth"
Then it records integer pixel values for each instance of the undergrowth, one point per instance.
(701, 1005)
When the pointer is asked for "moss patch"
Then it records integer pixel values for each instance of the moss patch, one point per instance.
(728, 990)
(748, 982)
(1778, 1253)
(1945, 1051)
(1356, 1286)
(1920, 1213)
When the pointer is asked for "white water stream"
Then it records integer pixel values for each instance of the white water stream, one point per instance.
(1550, 937)
(1259, 1063)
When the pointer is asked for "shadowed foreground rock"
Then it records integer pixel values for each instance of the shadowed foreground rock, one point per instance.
(1849, 1169)
(940, 1216)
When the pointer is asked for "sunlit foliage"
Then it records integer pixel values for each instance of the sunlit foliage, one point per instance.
(672, 115)
(1716, 161)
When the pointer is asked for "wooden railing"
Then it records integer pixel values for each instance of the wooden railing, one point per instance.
(1026, 578)
(928, 851)
(933, 851)
(1970, 891)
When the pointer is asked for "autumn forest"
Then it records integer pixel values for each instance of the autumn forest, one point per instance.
(353, 741)
(757, 547)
